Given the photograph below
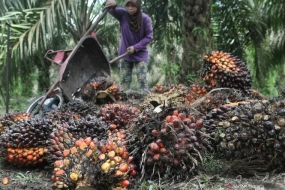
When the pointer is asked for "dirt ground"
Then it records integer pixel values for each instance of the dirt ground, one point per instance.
(39, 179)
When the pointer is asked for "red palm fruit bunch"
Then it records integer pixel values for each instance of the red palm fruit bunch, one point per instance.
(101, 164)
(59, 140)
(252, 130)
(118, 114)
(195, 92)
(176, 146)
(221, 69)
(99, 88)
(115, 91)
(25, 157)
(25, 134)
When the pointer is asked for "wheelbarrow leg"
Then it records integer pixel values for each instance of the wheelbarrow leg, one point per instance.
(39, 106)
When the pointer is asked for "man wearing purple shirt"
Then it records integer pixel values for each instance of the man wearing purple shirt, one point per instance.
(136, 33)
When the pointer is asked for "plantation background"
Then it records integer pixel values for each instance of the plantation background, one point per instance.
(184, 31)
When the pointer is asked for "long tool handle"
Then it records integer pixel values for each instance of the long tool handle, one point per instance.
(119, 57)
(94, 25)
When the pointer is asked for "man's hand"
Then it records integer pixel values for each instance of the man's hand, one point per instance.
(110, 4)
(131, 49)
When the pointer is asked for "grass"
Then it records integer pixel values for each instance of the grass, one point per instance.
(27, 177)
(213, 165)
(148, 185)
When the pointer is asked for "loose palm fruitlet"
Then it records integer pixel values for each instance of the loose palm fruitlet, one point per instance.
(99, 164)
(118, 114)
(221, 69)
(253, 130)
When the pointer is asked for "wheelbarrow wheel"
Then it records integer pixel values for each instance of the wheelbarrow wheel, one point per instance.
(50, 104)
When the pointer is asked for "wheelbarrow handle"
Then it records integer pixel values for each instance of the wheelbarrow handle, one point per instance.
(94, 25)
(119, 57)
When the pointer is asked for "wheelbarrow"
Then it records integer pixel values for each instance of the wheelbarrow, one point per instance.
(77, 66)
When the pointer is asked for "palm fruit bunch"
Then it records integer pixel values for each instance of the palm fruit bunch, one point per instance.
(100, 164)
(22, 142)
(71, 168)
(194, 92)
(90, 125)
(221, 69)
(171, 147)
(118, 114)
(11, 118)
(59, 140)
(62, 116)
(252, 130)
(100, 88)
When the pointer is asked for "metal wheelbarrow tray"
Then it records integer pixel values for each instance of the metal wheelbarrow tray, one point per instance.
(86, 61)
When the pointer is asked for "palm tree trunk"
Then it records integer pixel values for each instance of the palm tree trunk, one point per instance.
(44, 74)
(196, 35)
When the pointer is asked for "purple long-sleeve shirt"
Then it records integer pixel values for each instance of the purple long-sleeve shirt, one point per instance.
(139, 39)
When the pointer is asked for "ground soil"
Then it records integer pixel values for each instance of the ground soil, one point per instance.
(39, 179)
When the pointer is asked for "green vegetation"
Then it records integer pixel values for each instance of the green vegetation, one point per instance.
(27, 177)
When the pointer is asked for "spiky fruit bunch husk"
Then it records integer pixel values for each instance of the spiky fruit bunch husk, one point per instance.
(99, 88)
(221, 69)
(118, 114)
(25, 157)
(252, 130)
(217, 97)
(100, 164)
(174, 97)
(11, 118)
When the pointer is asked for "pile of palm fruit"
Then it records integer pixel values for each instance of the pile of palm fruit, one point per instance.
(110, 139)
